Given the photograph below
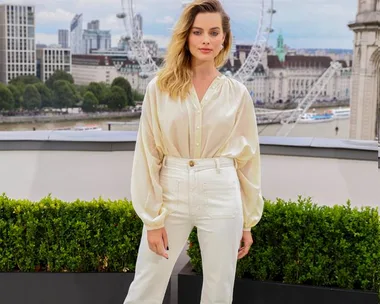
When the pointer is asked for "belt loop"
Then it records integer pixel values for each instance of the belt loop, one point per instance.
(217, 162)
(164, 161)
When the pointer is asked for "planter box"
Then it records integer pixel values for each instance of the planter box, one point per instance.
(249, 291)
(66, 288)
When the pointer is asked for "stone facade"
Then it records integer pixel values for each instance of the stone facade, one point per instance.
(285, 76)
(365, 93)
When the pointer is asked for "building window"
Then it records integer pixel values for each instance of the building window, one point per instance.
(30, 32)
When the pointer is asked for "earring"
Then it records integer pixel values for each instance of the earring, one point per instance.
(222, 46)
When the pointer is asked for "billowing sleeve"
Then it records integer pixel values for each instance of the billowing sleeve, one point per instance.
(146, 192)
(246, 141)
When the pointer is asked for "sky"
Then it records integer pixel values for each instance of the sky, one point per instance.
(303, 23)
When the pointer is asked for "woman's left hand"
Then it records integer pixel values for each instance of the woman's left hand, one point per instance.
(246, 242)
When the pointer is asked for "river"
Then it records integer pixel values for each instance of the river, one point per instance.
(325, 129)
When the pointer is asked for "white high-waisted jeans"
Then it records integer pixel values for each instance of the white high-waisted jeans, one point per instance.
(204, 193)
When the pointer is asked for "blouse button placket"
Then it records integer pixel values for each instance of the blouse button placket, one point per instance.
(198, 135)
(198, 123)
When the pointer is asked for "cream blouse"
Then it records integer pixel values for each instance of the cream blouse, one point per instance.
(222, 124)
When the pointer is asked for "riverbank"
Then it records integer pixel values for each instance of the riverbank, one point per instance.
(293, 105)
(51, 118)
(330, 129)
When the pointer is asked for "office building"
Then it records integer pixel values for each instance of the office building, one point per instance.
(76, 35)
(63, 38)
(51, 59)
(17, 41)
(93, 25)
(96, 40)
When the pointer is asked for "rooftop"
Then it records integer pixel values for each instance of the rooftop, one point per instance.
(86, 165)
(301, 61)
(105, 60)
(54, 161)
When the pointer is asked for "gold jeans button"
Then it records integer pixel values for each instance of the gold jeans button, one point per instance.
(191, 163)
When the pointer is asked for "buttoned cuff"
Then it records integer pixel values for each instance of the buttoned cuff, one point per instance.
(154, 227)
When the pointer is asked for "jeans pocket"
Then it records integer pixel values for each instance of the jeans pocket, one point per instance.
(170, 192)
(221, 198)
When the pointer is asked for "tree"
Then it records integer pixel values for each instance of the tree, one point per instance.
(25, 80)
(117, 99)
(17, 92)
(59, 75)
(32, 98)
(63, 96)
(126, 86)
(106, 93)
(96, 89)
(6, 98)
(99, 89)
(90, 102)
(137, 96)
(81, 89)
(77, 95)
(46, 95)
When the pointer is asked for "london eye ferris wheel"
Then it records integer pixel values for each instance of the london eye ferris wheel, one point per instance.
(264, 9)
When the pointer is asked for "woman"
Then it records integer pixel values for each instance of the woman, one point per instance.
(197, 161)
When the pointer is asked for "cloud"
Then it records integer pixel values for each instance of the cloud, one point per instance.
(303, 23)
(46, 38)
(51, 17)
(166, 20)
(319, 42)
(22, 2)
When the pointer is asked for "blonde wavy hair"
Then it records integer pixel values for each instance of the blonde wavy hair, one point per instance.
(175, 77)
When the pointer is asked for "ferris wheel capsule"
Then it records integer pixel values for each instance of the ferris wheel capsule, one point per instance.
(121, 15)
(143, 75)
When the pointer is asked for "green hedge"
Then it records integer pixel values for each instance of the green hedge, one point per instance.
(295, 242)
(302, 243)
(56, 236)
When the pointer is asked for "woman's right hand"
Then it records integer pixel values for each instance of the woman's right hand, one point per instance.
(158, 241)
